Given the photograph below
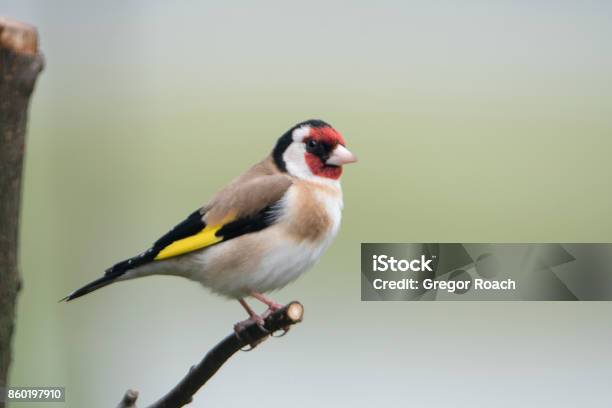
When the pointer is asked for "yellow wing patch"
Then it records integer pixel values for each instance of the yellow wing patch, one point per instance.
(202, 239)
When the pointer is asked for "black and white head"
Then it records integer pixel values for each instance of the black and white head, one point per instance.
(312, 150)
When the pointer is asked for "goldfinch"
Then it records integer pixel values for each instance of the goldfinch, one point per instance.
(261, 231)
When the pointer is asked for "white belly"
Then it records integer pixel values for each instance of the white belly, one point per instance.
(284, 262)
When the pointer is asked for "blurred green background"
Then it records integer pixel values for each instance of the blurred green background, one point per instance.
(473, 121)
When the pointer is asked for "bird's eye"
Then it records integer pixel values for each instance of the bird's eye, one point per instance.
(312, 143)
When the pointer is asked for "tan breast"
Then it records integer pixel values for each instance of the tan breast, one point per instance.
(310, 218)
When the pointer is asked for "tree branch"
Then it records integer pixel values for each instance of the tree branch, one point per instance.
(199, 374)
(20, 64)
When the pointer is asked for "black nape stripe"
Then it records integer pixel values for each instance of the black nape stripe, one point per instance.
(282, 145)
(287, 138)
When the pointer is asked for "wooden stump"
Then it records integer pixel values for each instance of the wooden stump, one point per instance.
(20, 64)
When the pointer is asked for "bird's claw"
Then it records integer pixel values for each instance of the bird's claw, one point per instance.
(274, 307)
(242, 334)
(281, 332)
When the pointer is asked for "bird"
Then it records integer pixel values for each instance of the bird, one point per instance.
(258, 233)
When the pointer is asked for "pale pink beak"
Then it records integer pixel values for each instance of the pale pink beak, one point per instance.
(341, 155)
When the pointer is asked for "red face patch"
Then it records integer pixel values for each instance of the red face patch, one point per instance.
(328, 138)
(319, 168)
(327, 135)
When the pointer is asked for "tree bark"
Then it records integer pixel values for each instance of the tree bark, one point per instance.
(20, 64)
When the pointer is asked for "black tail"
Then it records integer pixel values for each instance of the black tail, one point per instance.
(112, 274)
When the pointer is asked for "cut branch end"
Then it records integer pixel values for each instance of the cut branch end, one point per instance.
(18, 37)
(129, 399)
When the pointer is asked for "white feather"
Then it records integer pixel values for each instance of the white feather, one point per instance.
(300, 133)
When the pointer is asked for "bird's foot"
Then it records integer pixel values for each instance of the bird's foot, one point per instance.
(259, 320)
(272, 305)
(282, 332)
(243, 334)
(272, 308)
